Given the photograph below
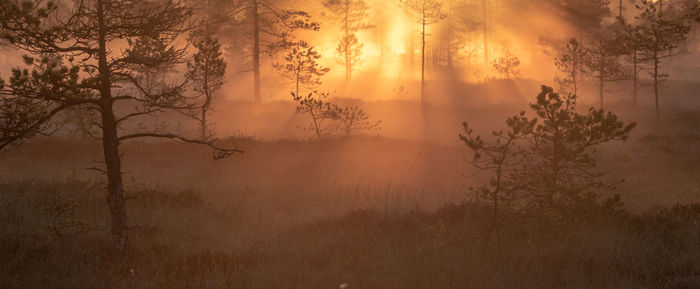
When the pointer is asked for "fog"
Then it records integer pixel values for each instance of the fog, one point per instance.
(389, 65)
(349, 144)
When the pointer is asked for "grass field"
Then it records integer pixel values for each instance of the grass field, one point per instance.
(388, 210)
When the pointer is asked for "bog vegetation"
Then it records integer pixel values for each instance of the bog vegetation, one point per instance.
(592, 182)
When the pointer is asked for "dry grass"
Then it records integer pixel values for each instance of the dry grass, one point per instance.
(373, 212)
(182, 242)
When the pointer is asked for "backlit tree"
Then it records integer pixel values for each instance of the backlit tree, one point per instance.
(301, 65)
(350, 49)
(659, 39)
(206, 73)
(507, 65)
(82, 63)
(265, 29)
(545, 168)
(424, 12)
(570, 61)
(603, 60)
(352, 15)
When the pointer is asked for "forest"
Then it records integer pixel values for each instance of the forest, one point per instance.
(350, 144)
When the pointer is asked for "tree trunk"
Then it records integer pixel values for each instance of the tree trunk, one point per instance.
(256, 50)
(115, 187)
(422, 64)
(297, 80)
(634, 76)
(601, 81)
(469, 58)
(554, 163)
(470, 50)
(316, 127)
(203, 124)
(348, 65)
(435, 52)
(449, 56)
(573, 80)
(82, 125)
(450, 36)
(207, 101)
(486, 40)
(412, 51)
(656, 85)
(110, 144)
(620, 9)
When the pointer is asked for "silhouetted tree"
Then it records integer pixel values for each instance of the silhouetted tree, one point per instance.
(621, 7)
(317, 106)
(29, 115)
(501, 156)
(270, 30)
(206, 73)
(215, 14)
(105, 75)
(602, 60)
(560, 174)
(463, 23)
(585, 15)
(546, 169)
(352, 119)
(694, 9)
(301, 65)
(328, 119)
(81, 121)
(659, 38)
(507, 65)
(485, 27)
(353, 14)
(350, 49)
(630, 40)
(424, 12)
(571, 61)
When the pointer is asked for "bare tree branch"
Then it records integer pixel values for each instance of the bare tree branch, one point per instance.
(219, 152)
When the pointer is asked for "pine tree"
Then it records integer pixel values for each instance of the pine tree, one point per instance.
(561, 174)
(206, 73)
(83, 64)
(463, 24)
(485, 27)
(352, 14)
(350, 49)
(585, 15)
(424, 12)
(659, 38)
(329, 119)
(502, 156)
(602, 60)
(507, 66)
(544, 167)
(630, 40)
(301, 64)
(570, 61)
(265, 29)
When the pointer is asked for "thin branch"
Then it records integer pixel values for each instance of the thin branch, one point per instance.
(219, 152)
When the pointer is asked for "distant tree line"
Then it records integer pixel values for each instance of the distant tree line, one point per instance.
(621, 49)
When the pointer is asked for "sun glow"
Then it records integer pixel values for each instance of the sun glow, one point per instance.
(391, 51)
(385, 47)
